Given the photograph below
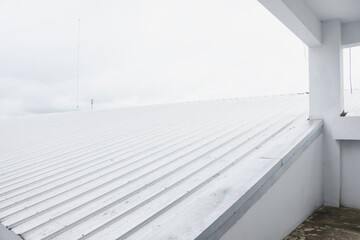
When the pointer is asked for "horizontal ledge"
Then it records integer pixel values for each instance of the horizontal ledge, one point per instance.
(298, 17)
(293, 143)
(346, 128)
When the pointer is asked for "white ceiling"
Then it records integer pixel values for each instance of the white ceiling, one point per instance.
(345, 10)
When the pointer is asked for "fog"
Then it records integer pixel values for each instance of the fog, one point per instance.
(142, 52)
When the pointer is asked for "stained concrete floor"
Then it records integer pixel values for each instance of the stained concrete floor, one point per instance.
(329, 223)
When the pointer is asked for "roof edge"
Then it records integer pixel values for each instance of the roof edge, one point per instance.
(217, 229)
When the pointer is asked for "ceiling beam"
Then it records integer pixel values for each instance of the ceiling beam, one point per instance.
(350, 34)
(298, 17)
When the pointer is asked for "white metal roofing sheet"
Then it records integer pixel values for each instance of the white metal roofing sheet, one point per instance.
(156, 172)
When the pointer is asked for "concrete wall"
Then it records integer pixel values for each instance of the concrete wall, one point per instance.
(294, 197)
(6, 234)
(327, 102)
(350, 174)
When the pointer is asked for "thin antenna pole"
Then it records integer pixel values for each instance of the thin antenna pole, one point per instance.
(350, 70)
(78, 70)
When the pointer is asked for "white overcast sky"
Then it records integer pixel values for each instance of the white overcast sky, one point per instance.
(142, 52)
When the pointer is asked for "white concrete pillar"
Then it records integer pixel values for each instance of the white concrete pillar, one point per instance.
(326, 102)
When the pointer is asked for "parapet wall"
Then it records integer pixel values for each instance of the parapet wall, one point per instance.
(350, 177)
(294, 197)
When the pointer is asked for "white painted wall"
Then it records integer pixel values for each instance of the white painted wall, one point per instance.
(326, 102)
(350, 174)
(6, 234)
(294, 197)
(346, 128)
(338, 27)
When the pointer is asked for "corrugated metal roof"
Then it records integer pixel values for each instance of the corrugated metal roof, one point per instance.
(156, 172)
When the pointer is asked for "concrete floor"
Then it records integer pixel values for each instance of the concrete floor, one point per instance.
(329, 223)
